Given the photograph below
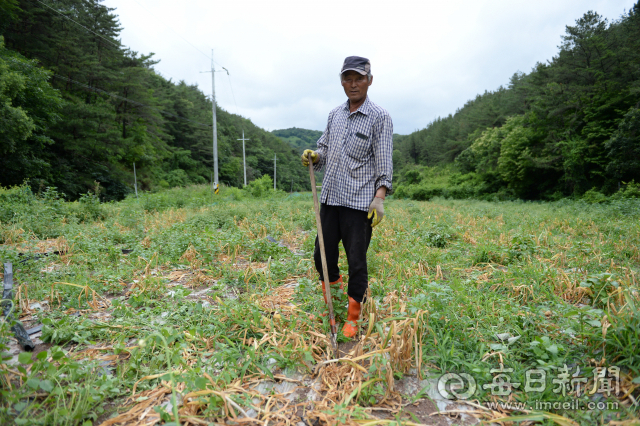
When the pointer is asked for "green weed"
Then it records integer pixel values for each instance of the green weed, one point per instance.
(188, 285)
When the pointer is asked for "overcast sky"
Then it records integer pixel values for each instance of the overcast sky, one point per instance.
(427, 57)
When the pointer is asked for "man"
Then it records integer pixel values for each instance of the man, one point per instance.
(356, 148)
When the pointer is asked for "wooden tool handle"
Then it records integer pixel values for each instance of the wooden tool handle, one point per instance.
(325, 272)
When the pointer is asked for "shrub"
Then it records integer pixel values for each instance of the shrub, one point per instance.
(593, 196)
(436, 236)
(412, 177)
(13, 200)
(38, 213)
(629, 190)
(261, 187)
(90, 207)
(177, 177)
(233, 193)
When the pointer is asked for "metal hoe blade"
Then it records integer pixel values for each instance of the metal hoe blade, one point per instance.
(7, 307)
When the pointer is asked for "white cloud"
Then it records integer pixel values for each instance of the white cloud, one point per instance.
(428, 57)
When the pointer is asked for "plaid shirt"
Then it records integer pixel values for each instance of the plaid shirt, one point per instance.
(357, 149)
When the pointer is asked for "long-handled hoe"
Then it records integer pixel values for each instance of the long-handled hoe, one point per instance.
(325, 272)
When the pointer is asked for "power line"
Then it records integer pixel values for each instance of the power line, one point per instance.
(234, 96)
(75, 22)
(120, 46)
(95, 89)
(177, 33)
(93, 32)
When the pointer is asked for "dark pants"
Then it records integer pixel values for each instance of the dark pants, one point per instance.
(354, 229)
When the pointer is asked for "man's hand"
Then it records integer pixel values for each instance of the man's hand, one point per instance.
(376, 210)
(305, 157)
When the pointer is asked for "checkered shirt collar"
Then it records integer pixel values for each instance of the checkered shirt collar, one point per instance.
(365, 108)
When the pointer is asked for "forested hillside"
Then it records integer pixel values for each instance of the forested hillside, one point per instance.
(299, 139)
(76, 106)
(569, 126)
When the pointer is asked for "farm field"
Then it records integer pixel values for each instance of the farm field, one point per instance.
(185, 308)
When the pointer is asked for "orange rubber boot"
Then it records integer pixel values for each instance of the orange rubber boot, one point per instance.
(335, 294)
(350, 328)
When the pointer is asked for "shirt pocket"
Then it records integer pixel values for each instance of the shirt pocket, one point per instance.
(358, 148)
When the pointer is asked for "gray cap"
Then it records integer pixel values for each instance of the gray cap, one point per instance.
(358, 64)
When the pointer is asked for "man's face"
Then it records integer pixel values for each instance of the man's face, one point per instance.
(355, 86)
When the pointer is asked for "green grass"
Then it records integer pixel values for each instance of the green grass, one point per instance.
(558, 281)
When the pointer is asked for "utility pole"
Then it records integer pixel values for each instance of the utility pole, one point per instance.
(135, 179)
(275, 157)
(215, 126)
(244, 161)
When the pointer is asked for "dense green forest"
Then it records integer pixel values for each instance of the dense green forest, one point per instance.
(300, 139)
(78, 107)
(570, 126)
